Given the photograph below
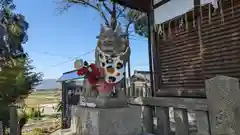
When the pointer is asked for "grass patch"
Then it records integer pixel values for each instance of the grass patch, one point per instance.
(45, 93)
(42, 97)
(47, 123)
(35, 100)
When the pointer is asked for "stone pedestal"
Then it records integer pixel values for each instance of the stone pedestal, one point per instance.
(112, 121)
(108, 102)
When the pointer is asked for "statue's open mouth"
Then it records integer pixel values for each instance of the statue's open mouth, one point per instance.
(111, 79)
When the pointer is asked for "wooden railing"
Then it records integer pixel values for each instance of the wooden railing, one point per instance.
(218, 114)
(181, 107)
(143, 91)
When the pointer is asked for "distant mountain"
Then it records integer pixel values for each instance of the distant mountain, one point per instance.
(48, 84)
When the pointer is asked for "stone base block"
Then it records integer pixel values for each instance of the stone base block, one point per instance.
(108, 102)
(112, 121)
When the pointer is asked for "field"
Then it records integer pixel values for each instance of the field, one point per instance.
(48, 120)
(42, 97)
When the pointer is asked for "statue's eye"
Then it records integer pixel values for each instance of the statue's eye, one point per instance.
(100, 55)
(119, 65)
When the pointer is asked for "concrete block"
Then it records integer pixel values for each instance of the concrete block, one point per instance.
(112, 121)
(223, 96)
(108, 102)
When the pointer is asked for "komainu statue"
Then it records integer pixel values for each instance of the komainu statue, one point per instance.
(111, 54)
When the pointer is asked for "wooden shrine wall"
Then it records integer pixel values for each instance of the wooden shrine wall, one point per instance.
(197, 46)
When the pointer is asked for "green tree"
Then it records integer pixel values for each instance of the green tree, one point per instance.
(141, 26)
(15, 84)
(13, 33)
(17, 78)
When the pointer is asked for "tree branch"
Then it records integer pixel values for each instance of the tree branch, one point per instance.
(64, 8)
(121, 11)
(127, 27)
(113, 17)
(107, 8)
(92, 6)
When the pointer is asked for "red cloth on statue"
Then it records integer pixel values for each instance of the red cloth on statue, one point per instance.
(95, 71)
(102, 86)
(82, 71)
(92, 73)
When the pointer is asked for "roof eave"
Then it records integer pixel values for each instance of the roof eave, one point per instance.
(143, 6)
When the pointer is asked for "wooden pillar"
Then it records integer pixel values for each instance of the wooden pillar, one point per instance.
(14, 127)
(147, 119)
(1, 128)
(202, 123)
(181, 118)
(132, 91)
(163, 122)
(64, 102)
(74, 119)
(150, 49)
(223, 100)
(147, 111)
(147, 115)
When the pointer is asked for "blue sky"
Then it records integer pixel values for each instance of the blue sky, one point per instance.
(54, 39)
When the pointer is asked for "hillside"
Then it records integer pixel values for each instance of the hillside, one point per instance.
(48, 84)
